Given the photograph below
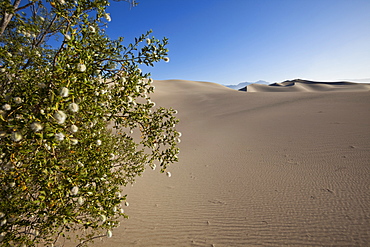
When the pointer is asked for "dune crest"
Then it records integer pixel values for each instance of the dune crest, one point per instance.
(299, 85)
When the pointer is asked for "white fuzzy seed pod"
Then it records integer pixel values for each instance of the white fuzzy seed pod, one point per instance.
(7, 107)
(3, 222)
(74, 141)
(18, 100)
(16, 136)
(80, 200)
(81, 67)
(60, 117)
(103, 218)
(74, 190)
(107, 17)
(36, 127)
(73, 107)
(92, 29)
(64, 92)
(59, 136)
(74, 128)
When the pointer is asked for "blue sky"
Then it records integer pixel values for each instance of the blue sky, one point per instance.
(232, 41)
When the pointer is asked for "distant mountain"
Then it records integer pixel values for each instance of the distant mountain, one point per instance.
(244, 84)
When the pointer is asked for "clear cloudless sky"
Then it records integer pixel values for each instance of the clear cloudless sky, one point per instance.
(233, 41)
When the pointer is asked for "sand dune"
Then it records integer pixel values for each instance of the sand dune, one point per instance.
(258, 169)
(308, 86)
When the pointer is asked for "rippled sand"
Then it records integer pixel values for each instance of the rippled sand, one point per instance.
(258, 169)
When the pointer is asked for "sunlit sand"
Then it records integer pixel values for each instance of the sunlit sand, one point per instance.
(274, 166)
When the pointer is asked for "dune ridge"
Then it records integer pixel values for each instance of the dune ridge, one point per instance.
(299, 85)
(257, 169)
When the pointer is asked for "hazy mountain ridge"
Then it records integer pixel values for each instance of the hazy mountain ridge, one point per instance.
(244, 84)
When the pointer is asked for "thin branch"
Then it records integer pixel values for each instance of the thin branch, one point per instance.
(58, 235)
(90, 239)
(46, 31)
(25, 6)
(41, 40)
(7, 17)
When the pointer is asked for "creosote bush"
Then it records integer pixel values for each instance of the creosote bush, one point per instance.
(67, 119)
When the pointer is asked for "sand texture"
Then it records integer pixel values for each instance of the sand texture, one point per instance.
(288, 166)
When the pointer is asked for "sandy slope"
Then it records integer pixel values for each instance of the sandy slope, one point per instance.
(257, 169)
(309, 86)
